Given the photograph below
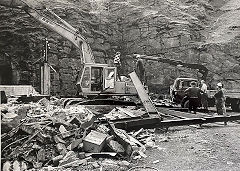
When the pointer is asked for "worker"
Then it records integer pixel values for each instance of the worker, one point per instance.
(220, 100)
(193, 93)
(117, 64)
(204, 96)
(139, 68)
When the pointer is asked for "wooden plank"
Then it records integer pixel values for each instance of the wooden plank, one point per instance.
(180, 114)
(45, 79)
(135, 124)
(147, 102)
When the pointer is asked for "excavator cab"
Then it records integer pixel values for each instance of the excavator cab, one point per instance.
(96, 79)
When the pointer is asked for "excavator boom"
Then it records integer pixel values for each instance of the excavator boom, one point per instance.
(58, 25)
(201, 68)
(95, 79)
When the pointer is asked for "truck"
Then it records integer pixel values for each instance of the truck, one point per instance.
(182, 83)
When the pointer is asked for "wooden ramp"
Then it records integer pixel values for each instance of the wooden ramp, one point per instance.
(146, 101)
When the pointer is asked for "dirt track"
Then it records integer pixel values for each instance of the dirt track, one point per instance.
(213, 147)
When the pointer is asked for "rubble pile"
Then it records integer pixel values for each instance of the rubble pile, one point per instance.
(46, 136)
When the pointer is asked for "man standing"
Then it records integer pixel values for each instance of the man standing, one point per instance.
(204, 96)
(220, 100)
(193, 93)
(140, 70)
(117, 64)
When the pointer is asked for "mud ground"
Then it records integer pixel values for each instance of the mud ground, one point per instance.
(211, 147)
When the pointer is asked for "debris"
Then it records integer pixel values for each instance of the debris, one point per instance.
(6, 166)
(44, 102)
(75, 144)
(57, 159)
(47, 134)
(122, 139)
(68, 158)
(94, 141)
(9, 115)
(103, 129)
(142, 154)
(57, 139)
(16, 166)
(156, 161)
(64, 132)
(124, 163)
(137, 132)
(95, 165)
(126, 112)
(41, 155)
(76, 162)
(102, 154)
(116, 147)
(82, 155)
(61, 148)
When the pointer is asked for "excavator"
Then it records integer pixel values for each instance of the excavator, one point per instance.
(95, 79)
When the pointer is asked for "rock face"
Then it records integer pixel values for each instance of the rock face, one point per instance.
(191, 31)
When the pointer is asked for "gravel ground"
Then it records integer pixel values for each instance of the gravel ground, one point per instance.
(212, 147)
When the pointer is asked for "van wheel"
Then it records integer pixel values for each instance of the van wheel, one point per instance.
(235, 105)
(186, 104)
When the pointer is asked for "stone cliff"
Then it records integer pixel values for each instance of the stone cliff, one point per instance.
(205, 32)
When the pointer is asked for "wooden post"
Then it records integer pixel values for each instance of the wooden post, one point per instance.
(45, 79)
(45, 72)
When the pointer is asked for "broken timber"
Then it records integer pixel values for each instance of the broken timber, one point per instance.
(146, 101)
(155, 122)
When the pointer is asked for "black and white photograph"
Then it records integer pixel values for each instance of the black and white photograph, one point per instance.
(120, 85)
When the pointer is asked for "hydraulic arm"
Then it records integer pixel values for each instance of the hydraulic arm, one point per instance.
(201, 68)
(53, 22)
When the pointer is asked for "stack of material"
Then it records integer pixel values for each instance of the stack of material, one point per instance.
(44, 134)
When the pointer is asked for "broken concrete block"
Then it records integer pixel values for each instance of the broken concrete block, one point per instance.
(81, 155)
(44, 102)
(116, 147)
(64, 132)
(16, 166)
(57, 139)
(95, 165)
(41, 155)
(80, 146)
(94, 142)
(57, 159)
(61, 148)
(103, 129)
(6, 166)
(75, 143)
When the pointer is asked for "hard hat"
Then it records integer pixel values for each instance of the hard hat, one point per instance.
(202, 81)
(219, 84)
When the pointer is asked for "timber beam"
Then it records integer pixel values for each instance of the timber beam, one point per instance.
(148, 123)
